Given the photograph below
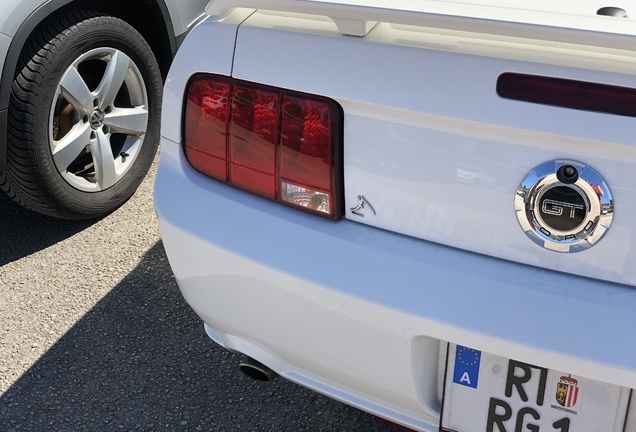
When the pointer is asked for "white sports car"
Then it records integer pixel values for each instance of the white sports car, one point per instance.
(424, 209)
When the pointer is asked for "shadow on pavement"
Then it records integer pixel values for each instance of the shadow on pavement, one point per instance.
(140, 360)
(24, 232)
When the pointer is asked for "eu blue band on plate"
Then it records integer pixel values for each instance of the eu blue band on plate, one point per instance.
(467, 362)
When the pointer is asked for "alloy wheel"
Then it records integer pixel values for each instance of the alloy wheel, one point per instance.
(98, 119)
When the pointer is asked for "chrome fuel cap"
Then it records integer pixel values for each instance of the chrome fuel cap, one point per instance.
(564, 206)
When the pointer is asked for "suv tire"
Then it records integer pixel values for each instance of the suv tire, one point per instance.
(84, 117)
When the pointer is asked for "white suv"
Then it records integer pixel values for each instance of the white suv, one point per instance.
(80, 98)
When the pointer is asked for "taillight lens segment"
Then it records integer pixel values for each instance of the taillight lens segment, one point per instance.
(206, 126)
(279, 144)
(253, 140)
(306, 153)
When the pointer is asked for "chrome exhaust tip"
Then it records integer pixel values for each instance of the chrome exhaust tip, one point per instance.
(256, 371)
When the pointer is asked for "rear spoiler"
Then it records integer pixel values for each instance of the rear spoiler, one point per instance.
(358, 17)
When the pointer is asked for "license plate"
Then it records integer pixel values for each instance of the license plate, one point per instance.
(488, 393)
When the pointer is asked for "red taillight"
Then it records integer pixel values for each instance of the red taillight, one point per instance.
(278, 144)
(580, 95)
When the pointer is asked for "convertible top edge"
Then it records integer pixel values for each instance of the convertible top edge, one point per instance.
(358, 17)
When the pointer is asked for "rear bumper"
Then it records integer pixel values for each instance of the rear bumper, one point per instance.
(363, 314)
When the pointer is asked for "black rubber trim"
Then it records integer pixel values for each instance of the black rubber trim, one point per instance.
(441, 412)
(18, 42)
(20, 38)
(169, 26)
(3, 148)
(182, 37)
(629, 404)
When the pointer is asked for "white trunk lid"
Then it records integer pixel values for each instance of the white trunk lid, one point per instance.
(430, 144)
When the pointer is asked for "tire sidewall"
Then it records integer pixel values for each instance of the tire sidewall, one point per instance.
(96, 32)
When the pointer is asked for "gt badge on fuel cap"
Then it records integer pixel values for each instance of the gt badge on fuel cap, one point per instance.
(564, 206)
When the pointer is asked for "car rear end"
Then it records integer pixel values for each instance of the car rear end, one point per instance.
(337, 200)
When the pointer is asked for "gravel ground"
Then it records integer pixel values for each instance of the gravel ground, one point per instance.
(95, 336)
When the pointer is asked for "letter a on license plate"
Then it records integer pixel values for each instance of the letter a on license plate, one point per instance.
(484, 392)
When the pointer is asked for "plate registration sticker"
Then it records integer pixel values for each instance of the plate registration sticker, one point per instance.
(484, 392)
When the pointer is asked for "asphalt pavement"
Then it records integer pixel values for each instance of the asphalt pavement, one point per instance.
(95, 336)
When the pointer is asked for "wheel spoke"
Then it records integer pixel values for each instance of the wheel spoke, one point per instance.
(113, 79)
(76, 92)
(105, 172)
(130, 121)
(71, 146)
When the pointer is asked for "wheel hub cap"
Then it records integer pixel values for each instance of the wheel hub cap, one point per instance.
(97, 119)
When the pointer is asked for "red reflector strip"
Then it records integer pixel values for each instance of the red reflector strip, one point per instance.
(579, 95)
(396, 426)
